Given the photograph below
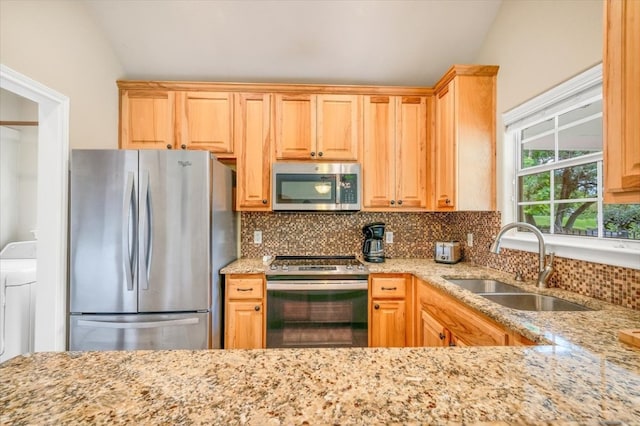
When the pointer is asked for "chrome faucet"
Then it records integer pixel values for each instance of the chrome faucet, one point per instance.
(544, 269)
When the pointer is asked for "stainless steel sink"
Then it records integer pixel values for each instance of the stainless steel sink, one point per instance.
(514, 297)
(533, 302)
(475, 285)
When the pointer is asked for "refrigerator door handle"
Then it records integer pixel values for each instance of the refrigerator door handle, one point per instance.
(145, 226)
(134, 325)
(127, 206)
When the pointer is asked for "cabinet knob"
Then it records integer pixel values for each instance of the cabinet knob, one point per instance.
(183, 146)
(376, 306)
(441, 336)
(313, 154)
(447, 201)
(320, 154)
(257, 308)
(169, 146)
(399, 202)
(392, 202)
(264, 201)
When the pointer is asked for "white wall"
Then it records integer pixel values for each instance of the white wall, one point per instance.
(538, 44)
(57, 44)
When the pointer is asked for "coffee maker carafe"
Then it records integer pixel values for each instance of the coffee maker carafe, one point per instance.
(373, 246)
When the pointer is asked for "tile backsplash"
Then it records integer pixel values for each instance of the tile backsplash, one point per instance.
(414, 235)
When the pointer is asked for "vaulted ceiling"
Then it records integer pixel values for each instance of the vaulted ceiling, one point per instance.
(396, 42)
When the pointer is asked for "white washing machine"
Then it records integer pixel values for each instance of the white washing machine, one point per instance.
(17, 298)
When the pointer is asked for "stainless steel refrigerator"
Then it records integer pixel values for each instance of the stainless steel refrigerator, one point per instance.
(149, 232)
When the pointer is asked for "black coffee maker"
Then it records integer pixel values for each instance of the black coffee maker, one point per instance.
(373, 246)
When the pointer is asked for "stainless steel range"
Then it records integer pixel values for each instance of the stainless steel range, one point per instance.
(317, 301)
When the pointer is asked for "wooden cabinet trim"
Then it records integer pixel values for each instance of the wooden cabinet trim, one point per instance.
(288, 89)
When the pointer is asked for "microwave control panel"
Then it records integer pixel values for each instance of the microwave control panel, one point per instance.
(348, 188)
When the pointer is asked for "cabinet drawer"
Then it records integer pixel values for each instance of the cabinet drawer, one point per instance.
(245, 288)
(388, 287)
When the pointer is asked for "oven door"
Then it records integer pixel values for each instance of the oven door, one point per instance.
(317, 313)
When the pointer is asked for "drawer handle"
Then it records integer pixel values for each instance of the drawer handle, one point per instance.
(257, 308)
(441, 336)
(245, 289)
(389, 288)
(376, 306)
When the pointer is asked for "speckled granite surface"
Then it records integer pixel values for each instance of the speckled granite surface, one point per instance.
(585, 377)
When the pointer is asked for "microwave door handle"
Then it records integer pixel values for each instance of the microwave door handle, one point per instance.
(338, 190)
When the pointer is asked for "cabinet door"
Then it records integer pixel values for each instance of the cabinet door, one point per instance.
(378, 156)
(338, 127)
(253, 137)
(147, 119)
(206, 121)
(411, 151)
(388, 323)
(295, 127)
(445, 149)
(621, 68)
(245, 325)
(433, 333)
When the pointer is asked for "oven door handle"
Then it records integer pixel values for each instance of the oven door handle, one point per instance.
(318, 285)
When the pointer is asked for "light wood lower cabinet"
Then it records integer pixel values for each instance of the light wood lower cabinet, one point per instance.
(388, 315)
(244, 312)
(448, 322)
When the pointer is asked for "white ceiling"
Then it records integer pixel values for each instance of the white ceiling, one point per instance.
(395, 42)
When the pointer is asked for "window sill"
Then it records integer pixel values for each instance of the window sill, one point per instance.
(609, 252)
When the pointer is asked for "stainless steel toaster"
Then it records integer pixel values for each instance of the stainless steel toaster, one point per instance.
(448, 252)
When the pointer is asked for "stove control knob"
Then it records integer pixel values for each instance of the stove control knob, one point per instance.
(361, 267)
(349, 267)
(273, 267)
(285, 267)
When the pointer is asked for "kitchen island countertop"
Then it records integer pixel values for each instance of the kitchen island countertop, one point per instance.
(579, 373)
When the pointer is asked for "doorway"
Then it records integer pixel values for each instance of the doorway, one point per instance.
(51, 216)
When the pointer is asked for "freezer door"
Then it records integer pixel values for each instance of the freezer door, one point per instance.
(138, 332)
(103, 228)
(174, 231)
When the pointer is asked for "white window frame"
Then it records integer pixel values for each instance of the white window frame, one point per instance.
(625, 253)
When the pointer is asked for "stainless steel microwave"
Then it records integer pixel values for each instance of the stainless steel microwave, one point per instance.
(316, 186)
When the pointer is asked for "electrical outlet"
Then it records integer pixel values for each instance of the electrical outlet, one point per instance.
(469, 239)
(389, 237)
(257, 237)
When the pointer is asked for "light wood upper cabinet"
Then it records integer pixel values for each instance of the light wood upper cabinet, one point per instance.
(465, 142)
(206, 121)
(338, 127)
(445, 149)
(411, 152)
(147, 119)
(317, 127)
(621, 93)
(171, 119)
(395, 152)
(295, 126)
(253, 146)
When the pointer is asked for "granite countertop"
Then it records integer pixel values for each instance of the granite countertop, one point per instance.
(581, 374)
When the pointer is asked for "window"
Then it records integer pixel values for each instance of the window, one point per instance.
(556, 140)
